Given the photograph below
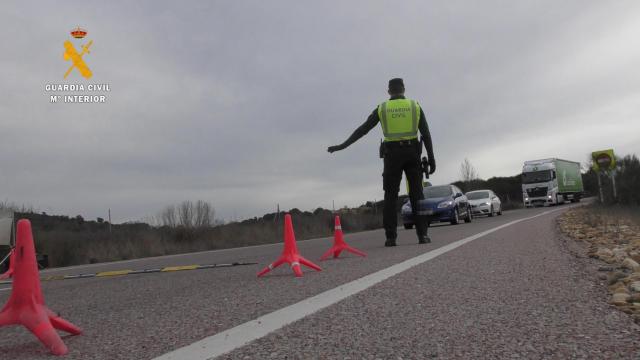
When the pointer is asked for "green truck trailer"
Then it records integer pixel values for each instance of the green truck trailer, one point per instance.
(551, 181)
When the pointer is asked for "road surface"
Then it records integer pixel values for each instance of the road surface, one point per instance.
(501, 287)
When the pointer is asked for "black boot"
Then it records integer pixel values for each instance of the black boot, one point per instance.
(424, 239)
(390, 242)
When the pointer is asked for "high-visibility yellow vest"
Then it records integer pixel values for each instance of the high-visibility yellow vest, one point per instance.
(399, 119)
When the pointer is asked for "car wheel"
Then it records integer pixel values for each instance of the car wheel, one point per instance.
(408, 226)
(456, 217)
(469, 217)
(491, 212)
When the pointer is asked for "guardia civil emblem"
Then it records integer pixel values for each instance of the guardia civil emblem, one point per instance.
(76, 58)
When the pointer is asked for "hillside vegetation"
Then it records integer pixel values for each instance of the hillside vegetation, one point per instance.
(72, 240)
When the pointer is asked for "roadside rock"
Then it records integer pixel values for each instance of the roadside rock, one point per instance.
(620, 299)
(635, 286)
(614, 277)
(621, 290)
(630, 264)
(604, 253)
(619, 253)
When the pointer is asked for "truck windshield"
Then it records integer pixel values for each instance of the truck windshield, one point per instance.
(437, 191)
(536, 176)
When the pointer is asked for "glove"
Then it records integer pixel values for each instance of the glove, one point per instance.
(432, 166)
(334, 148)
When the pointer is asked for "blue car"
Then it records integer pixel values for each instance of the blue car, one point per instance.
(443, 203)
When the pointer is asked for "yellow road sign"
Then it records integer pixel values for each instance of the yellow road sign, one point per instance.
(603, 160)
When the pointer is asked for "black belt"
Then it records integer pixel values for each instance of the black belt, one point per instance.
(401, 143)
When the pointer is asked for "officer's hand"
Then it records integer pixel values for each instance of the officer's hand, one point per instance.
(334, 148)
(432, 166)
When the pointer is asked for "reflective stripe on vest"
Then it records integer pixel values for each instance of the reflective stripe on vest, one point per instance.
(399, 119)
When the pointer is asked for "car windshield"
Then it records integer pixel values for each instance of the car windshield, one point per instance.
(536, 176)
(477, 195)
(437, 191)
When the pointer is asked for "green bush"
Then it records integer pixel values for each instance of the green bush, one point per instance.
(627, 178)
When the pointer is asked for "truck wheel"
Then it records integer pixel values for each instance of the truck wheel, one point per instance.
(456, 217)
(408, 226)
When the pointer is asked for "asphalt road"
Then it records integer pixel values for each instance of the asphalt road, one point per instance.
(515, 292)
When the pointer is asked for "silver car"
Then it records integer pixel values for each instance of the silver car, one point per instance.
(484, 202)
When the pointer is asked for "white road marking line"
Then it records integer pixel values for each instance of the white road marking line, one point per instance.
(234, 338)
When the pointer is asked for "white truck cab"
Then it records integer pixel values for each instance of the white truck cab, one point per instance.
(550, 181)
(6, 237)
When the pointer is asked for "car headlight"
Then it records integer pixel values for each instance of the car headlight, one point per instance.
(526, 199)
(486, 204)
(549, 196)
(445, 204)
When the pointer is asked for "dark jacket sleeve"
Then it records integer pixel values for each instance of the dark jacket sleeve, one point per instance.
(363, 129)
(426, 135)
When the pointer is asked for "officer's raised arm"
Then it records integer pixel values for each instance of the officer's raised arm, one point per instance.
(361, 131)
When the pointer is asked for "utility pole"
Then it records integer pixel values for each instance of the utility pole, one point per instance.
(109, 222)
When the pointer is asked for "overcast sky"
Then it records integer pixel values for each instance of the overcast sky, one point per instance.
(235, 102)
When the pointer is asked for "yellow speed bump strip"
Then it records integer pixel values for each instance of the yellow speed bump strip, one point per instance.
(180, 268)
(106, 274)
(114, 273)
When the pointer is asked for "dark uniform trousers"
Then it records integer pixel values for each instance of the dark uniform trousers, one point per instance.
(402, 156)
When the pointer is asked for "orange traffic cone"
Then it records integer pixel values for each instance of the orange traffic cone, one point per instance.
(12, 261)
(290, 253)
(26, 304)
(339, 244)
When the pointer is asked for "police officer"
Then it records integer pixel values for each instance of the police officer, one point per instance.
(400, 118)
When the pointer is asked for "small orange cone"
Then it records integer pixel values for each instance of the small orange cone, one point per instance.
(339, 244)
(290, 253)
(12, 261)
(26, 304)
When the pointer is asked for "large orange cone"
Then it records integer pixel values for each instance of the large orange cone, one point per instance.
(12, 261)
(339, 245)
(26, 304)
(290, 253)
